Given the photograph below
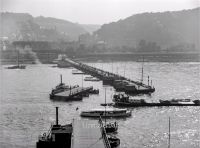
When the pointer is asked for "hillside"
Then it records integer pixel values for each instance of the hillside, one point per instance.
(65, 27)
(166, 29)
(23, 26)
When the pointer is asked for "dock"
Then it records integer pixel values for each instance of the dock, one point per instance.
(115, 80)
(89, 133)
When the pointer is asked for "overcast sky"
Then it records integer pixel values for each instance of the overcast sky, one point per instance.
(94, 11)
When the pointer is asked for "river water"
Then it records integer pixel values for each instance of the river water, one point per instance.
(26, 110)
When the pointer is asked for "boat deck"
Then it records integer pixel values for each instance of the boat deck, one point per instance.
(87, 133)
(73, 91)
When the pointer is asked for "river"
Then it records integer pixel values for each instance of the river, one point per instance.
(26, 110)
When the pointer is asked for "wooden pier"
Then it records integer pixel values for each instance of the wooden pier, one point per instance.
(89, 133)
(131, 87)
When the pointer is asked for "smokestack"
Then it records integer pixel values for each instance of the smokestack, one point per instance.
(56, 115)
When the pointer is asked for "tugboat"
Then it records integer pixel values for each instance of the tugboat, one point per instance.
(59, 88)
(59, 136)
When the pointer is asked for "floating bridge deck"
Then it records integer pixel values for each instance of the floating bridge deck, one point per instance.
(109, 77)
(89, 133)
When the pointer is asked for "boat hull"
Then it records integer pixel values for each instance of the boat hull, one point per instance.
(122, 104)
(97, 115)
(65, 98)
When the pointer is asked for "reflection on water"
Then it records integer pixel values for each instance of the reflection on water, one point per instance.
(26, 110)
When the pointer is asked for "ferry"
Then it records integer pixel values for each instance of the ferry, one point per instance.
(110, 112)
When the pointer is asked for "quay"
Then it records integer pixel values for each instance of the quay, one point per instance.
(117, 81)
(71, 94)
(89, 133)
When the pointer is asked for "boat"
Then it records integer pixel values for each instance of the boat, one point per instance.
(109, 127)
(18, 66)
(91, 79)
(58, 136)
(94, 91)
(114, 141)
(61, 87)
(76, 72)
(125, 101)
(179, 102)
(110, 112)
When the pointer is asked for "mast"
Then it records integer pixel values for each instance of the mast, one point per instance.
(82, 80)
(105, 106)
(142, 70)
(18, 58)
(169, 134)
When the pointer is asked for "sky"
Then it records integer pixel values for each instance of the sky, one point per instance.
(93, 11)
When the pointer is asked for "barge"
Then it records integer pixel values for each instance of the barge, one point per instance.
(124, 101)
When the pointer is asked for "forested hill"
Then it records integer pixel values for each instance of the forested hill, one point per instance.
(166, 29)
(23, 26)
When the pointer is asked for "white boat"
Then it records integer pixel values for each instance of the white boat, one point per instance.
(77, 72)
(91, 79)
(109, 112)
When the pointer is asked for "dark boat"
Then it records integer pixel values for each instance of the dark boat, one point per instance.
(94, 91)
(114, 141)
(58, 136)
(180, 102)
(61, 87)
(111, 127)
(124, 101)
(17, 67)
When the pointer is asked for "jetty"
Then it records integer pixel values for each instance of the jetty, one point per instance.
(117, 81)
